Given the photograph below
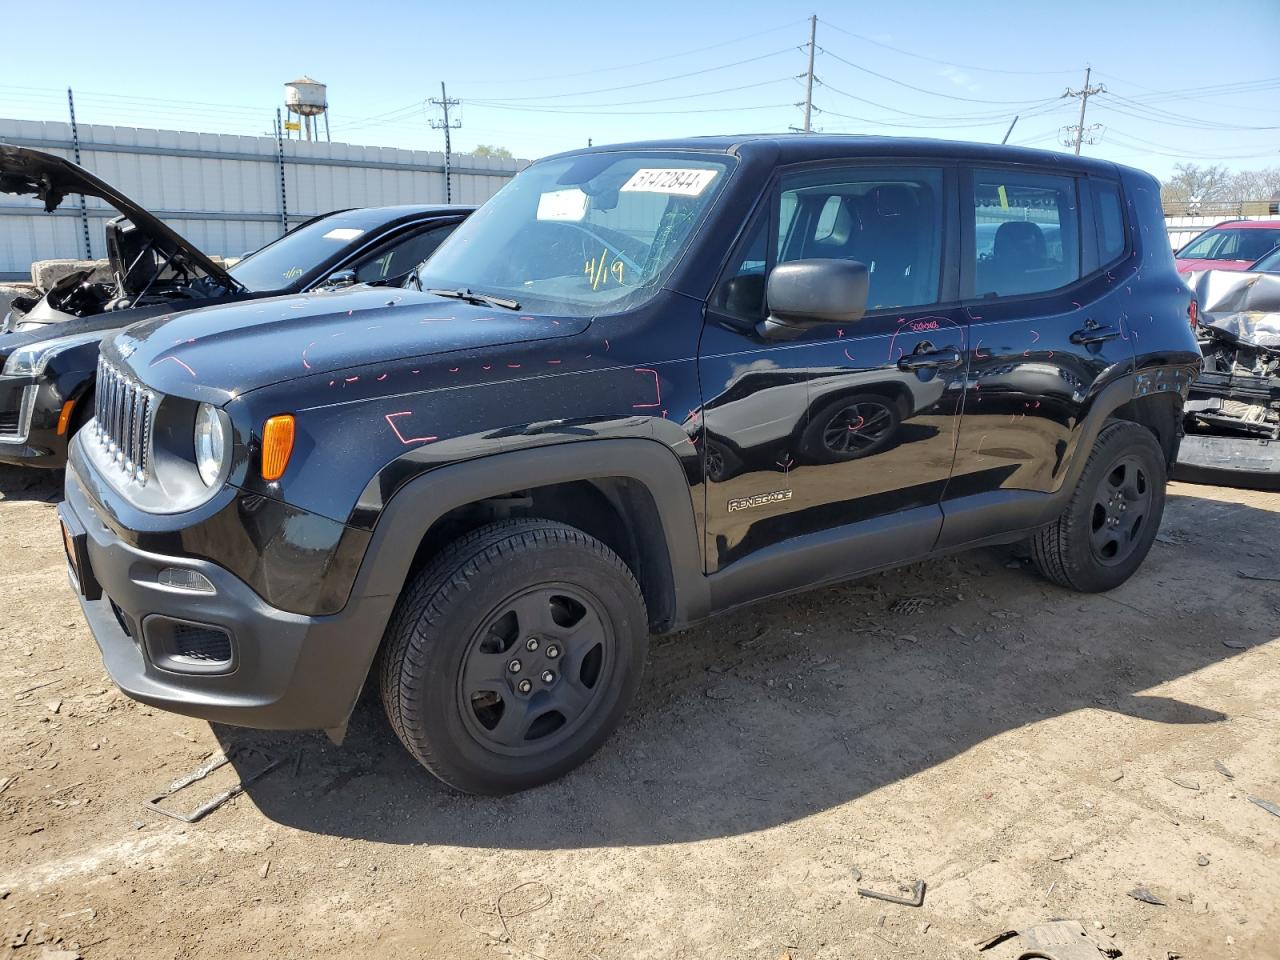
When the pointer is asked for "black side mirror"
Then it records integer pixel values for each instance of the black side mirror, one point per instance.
(807, 293)
(341, 278)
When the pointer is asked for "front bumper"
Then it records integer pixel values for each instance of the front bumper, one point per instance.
(29, 411)
(282, 670)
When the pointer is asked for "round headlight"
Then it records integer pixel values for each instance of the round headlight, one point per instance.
(210, 443)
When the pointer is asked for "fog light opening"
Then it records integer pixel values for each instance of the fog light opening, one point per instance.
(180, 578)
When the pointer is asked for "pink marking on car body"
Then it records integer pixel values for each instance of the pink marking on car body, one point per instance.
(383, 377)
(513, 366)
(407, 441)
(350, 379)
(177, 361)
(657, 386)
(553, 363)
(849, 356)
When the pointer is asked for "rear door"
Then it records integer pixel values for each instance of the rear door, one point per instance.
(851, 425)
(1048, 327)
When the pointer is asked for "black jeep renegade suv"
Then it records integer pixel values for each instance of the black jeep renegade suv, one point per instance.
(641, 385)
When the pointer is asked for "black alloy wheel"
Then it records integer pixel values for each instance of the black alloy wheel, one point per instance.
(531, 674)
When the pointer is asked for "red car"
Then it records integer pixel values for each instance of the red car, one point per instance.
(1232, 245)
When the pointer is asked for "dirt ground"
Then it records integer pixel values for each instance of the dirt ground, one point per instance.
(1027, 752)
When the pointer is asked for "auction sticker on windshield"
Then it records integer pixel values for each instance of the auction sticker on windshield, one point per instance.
(568, 204)
(343, 233)
(684, 182)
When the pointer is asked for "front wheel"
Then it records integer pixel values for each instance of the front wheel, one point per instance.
(1112, 518)
(513, 655)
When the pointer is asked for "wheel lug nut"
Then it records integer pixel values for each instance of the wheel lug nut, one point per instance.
(531, 644)
(514, 666)
(548, 676)
(524, 686)
(552, 651)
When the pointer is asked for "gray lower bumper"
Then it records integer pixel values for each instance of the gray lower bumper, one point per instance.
(1229, 461)
(288, 671)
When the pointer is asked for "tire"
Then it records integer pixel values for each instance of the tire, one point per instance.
(849, 428)
(517, 602)
(1108, 527)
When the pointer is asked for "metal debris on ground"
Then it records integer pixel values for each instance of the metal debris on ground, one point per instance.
(1258, 576)
(910, 605)
(1146, 896)
(1266, 805)
(1235, 644)
(915, 900)
(1184, 783)
(215, 762)
(1056, 940)
(1222, 769)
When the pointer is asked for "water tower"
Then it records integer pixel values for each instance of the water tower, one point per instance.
(307, 98)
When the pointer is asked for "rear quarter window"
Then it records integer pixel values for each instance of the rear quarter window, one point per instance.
(1112, 230)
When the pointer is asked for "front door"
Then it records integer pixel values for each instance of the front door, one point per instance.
(850, 426)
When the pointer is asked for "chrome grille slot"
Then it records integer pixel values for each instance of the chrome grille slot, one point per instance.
(125, 410)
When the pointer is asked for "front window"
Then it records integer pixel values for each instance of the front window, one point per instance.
(279, 265)
(1231, 244)
(582, 235)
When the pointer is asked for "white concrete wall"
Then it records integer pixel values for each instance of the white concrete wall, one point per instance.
(221, 191)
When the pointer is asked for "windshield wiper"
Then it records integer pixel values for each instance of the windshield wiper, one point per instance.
(482, 299)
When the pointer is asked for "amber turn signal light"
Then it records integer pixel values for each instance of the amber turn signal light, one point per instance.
(277, 445)
(64, 418)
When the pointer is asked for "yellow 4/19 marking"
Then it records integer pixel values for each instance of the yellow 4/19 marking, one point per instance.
(599, 269)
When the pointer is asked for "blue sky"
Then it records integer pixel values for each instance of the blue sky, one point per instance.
(1185, 81)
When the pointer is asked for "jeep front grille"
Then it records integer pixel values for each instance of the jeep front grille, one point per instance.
(124, 411)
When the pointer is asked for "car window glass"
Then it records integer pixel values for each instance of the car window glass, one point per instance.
(1111, 233)
(400, 256)
(887, 218)
(282, 263)
(1027, 233)
(742, 291)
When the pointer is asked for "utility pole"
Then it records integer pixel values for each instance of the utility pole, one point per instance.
(1079, 133)
(75, 146)
(808, 81)
(444, 103)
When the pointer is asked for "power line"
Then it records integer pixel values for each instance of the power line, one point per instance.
(645, 83)
(627, 103)
(643, 63)
(946, 63)
(932, 93)
(609, 113)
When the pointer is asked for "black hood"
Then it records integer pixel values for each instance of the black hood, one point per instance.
(50, 179)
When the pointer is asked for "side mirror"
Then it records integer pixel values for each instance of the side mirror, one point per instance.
(807, 293)
(341, 278)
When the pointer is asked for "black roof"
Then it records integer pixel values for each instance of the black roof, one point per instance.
(800, 147)
(369, 217)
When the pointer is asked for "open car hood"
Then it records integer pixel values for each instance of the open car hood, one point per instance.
(1245, 305)
(51, 178)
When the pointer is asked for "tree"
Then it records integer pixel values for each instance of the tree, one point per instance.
(486, 150)
(1203, 183)
(1263, 184)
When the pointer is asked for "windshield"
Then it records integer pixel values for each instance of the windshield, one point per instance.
(281, 263)
(1239, 244)
(1270, 263)
(581, 235)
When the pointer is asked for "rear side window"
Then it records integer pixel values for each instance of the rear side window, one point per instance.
(1026, 233)
(1110, 216)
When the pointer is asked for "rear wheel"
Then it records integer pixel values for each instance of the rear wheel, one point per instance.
(513, 655)
(1108, 526)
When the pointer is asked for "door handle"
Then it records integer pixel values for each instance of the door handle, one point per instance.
(930, 359)
(1095, 333)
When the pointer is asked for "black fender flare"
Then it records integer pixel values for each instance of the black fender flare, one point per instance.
(420, 502)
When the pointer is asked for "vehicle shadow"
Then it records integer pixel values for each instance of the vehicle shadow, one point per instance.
(28, 483)
(791, 707)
